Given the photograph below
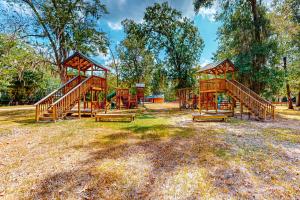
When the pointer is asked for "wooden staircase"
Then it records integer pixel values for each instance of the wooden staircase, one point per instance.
(258, 106)
(58, 103)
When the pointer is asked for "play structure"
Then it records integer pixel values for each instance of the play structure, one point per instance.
(80, 94)
(85, 92)
(219, 94)
(125, 99)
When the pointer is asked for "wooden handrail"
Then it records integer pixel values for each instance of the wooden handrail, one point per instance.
(72, 90)
(252, 92)
(55, 91)
(66, 102)
(45, 103)
(259, 107)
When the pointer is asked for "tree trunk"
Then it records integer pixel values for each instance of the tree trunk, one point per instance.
(257, 60)
(62, 73)
(298, 101)
(288, 90)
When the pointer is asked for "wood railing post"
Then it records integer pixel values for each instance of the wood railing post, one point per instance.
(37, 111)
(54, 113)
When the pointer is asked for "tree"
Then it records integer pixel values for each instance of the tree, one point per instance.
(25, 76)
(63, 26)
(247, 38)
(285, 22)
(136, 62)
(175, 40)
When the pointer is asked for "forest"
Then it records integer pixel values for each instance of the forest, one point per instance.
(163, 51)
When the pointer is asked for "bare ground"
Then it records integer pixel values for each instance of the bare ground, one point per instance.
(161, 155)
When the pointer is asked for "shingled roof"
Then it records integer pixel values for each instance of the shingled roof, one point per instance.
(218, 67)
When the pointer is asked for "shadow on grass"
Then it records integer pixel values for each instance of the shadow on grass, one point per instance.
(85, 182)
(165, 156)
(23, 117)
(160, 131)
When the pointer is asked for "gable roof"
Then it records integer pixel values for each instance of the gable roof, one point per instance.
(85, 62)
(218, 67)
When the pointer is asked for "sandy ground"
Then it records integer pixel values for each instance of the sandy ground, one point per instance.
(162, 155)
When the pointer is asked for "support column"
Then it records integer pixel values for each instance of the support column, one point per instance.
(241, 105)
(92, 97)
(79, 98)
(216, 102)
(199, 103)
(232, 108)
(105, 107)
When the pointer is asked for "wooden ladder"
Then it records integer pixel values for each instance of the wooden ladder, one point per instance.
(255, 104)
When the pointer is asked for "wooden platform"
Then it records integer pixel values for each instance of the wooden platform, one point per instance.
(208, 117)
(228, 113)
(114, 116)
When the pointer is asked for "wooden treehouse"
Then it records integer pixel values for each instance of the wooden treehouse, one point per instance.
(80, 94)
(217, 80)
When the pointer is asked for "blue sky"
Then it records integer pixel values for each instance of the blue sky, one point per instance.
(134, 9)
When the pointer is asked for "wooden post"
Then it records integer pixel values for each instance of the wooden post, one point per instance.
(226, 66)
(105, 107)
(37, 117)
(206, 101)
(92, 98)
(216, 102)
(84, 106)
(241, 105)
(233, 104)
(79, 98)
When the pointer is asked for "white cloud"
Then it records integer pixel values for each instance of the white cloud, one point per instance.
(134, 9)
(115, 25)
(15, 7)
(204, 62)
(208, 13)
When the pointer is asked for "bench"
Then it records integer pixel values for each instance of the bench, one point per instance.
(198, 117)
(119, 116)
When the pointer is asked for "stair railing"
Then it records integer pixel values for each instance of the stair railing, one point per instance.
(270, 107)
(45, 103)
(259, 108)
(66, 102)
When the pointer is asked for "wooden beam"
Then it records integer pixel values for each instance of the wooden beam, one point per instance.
(105, 92)
(79, 111)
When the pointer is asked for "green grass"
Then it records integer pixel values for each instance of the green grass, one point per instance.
(162, 153)
(283, 134)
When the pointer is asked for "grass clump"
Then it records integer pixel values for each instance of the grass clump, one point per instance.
(282, 134)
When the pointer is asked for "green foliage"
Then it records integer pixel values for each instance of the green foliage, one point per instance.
(25, 75)
(175, 39)
(202, 3)
(66, 26)
(136, 62)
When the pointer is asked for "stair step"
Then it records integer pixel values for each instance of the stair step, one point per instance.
(47, 114)
(43, 118)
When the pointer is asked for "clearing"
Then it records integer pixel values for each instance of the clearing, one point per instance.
(160, 155)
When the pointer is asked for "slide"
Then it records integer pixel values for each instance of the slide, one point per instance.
(111, 95)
